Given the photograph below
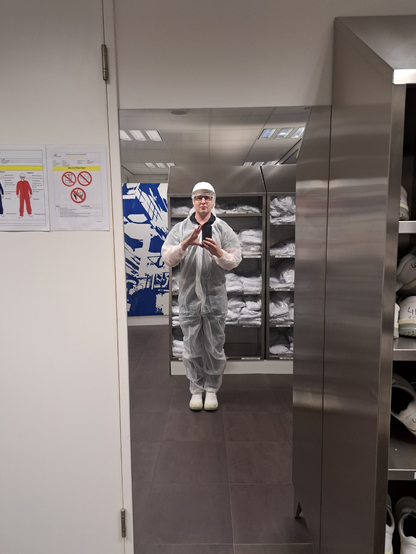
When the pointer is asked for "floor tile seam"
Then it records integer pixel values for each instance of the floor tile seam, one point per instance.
(273, 544)
(229, 490)
(260, 483)
(254, 442)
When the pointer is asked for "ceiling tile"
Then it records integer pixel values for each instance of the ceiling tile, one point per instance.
(235, 134)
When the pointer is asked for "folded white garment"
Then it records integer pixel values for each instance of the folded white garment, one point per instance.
(250, 236)
(281, 308)
(177, 348)
(282, 220)
(281, 343)
(232, 318)
(253, 303)
(282, 210)
(282, 275)
(175, 282)
(235, 303)
(233, 282)
(251, 284)
(239, 208)
(286, 248)
(249, 249)
(175, 321)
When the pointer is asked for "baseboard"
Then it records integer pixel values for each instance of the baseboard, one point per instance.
(237, 367)
(148, 320)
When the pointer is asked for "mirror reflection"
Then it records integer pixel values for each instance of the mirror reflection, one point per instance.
(209, 210)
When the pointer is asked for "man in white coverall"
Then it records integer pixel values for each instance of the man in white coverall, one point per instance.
(202, 293)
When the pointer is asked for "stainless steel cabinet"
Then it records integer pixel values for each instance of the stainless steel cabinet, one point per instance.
(349, 305)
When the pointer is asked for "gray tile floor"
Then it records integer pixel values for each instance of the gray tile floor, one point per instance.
(210, 482)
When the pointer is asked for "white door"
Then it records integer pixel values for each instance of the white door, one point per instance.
(60, 446)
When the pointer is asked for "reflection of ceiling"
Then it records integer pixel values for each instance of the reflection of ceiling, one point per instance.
(212, 136)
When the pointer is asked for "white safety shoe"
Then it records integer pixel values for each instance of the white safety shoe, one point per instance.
(403, 400)
(406, 523)
(406, 275)
(396, 320)
(404, 207)
(407, 318)
(196, 403)
(211, 402)
(388, 547)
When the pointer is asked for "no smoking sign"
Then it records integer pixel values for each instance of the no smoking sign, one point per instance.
(78, 195)
(69, 179)
(84, 178)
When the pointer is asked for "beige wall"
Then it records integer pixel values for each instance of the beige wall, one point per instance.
(226, 53)
(60, 486)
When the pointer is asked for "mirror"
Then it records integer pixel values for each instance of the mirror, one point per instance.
(190, 467)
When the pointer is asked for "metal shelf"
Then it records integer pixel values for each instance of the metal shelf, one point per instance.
(284, 257)
(407, 227)
(288, 357)
(244, 293)
(276, 325)
(241, 214)
(404, 349)
(284, 289)
(402, 455)
(250, 256)
(282, 224)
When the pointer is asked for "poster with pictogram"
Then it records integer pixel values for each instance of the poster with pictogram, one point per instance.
(78, 187)
(23, 189)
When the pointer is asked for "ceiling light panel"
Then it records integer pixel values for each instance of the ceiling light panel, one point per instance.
(247, 163)
(267, 133)
(271, 163)
(171, 164)
(150, 165)
(162, 166)
(125, 136)
(154, 135)
(258, 163)
(138, 135)
(298, 133)
(284, 133)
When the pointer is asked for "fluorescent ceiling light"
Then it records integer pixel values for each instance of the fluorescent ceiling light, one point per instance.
(271, 163)
(159, 164)
(154, 135)
(138, 135)
(267, 133)
(171, 164)
(150, 165)
(298, 133)
(258, 163)
(284, 133)
(247, 163)
(125, 136)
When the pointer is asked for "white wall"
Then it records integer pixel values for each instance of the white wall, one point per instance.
(232, 53)
(59, 396)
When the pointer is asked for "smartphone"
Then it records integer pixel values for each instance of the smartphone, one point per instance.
(206, 232)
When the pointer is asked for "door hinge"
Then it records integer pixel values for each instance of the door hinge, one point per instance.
(123, 523)
(104, 60)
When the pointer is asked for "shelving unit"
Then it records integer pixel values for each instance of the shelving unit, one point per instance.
(245, 343)
(402, 452)
(279, 181)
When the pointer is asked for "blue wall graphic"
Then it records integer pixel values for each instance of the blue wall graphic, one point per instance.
(145, 230)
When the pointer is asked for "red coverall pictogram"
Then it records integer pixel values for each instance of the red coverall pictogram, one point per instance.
(24, 191)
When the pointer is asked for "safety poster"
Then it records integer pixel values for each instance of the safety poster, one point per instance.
(78, 194)
(23, 190)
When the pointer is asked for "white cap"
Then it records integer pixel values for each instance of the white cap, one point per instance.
(203, 187)
(22, 175)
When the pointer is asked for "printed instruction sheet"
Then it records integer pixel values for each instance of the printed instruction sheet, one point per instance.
(23, 189)
(78, 192)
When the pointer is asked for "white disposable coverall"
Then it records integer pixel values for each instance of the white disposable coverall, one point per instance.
(202, 299)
